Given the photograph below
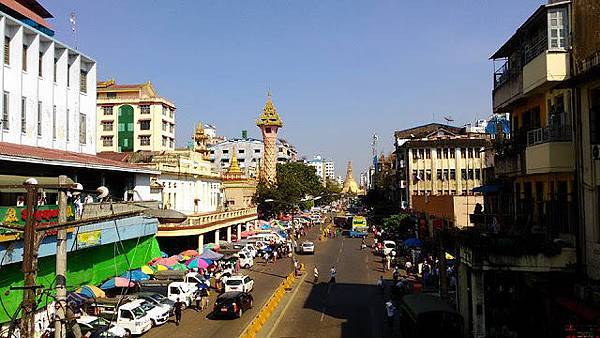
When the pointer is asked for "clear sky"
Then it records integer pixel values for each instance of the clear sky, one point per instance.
(339, 70)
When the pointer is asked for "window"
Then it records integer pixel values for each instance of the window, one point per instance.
(39, 118)
(144, 124)
(144, 109)
(5, 121)
(83, 81)
(557, 26)
(445, 150)
(54, 122)
(40, 61)
(164, 141)
(470, 172)
(107, 125)
(144, 140)
(268, 130)
(23, 115)
(415, 154)
(225, 151)
(463, 174)
(107, 110)
(470, 152)
(257, 151)
(463, 152)
(68, 127)
(107, 141)
(440, 192)
(428, 175)
(171, 112)
(6, 50)
(164, 111)
(415, 175)
(241, 151)
(24, 59)
(452, 174)
(452, 153)
(446, 174)
(439, 174)
(171, 128)
(477, 174)
(82, 128)
(439, 153)
(164, 125)
(421, 153)
(54, 69)
(464, 192)
(68, 75)
(171, 143)
(111, 95)
(427, 153)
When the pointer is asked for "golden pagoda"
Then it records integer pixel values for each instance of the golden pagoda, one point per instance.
(200, 138)
(234, 172)
(350, 187)
(239, 190)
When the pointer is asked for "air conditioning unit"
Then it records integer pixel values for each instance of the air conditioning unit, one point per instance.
(596, 151)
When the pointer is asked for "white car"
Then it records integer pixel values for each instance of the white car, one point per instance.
(158, 314)
(92, 323)
(239, 283)
(307, 247)
(245, 259)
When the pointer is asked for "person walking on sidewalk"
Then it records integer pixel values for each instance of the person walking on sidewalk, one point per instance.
(391, 312)
(316, 275)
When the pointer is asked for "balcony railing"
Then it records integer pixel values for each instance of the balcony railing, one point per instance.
(212, 218)
(549, 134)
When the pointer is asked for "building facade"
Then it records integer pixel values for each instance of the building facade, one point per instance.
(238, 189)
(133, 117)
(437, 159)
(249, 152)
(324, 168)
(48, 89)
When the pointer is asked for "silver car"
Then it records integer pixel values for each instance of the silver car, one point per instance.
(307, 247)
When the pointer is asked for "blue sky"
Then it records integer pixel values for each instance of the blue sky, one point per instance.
(338, 70)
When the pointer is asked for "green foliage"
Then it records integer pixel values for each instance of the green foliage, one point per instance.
(397, 222)
(294, 181)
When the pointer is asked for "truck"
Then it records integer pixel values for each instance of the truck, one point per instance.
(359, 227)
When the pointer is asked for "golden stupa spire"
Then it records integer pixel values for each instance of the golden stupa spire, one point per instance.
(350, 186)
(234, 167)
(269, 116)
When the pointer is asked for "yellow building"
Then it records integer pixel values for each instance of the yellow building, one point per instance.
(437, 159)
(538, 161)
(133, 117)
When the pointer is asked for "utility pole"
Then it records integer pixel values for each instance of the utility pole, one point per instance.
(29, 265)
(61, 262)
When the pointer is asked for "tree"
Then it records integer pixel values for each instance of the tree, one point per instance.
(294, 181)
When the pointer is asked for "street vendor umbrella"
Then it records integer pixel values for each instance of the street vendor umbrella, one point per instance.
(75, 299)
(413, 242)
(160, 267)
(91, 291)
(211, 246)
(147, 270)
(166, 261)
(179, 267)
(248, 233)
(116, 282)
(197, 262)
(135, 275)
(211, 255)
(190, 253)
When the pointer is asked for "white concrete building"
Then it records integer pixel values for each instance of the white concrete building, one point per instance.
(324, 168)
(49, 91)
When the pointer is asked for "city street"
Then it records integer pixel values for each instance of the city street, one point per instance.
(353, 307)
(199, 324)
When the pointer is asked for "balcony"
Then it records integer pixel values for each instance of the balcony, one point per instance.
(544, 69)
(508, 86)
(550, 150)
(203, 223)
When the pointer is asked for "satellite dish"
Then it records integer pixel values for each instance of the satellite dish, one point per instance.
(102, 192)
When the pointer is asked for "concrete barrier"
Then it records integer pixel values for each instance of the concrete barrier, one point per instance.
(265, 312)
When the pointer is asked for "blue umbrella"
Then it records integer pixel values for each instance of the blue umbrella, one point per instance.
(135, 275)
(413, 242)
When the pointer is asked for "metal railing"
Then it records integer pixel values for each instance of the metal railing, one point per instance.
(214, 217)
(92, 210)
(549, 134)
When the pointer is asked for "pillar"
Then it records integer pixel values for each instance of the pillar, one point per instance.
(478, 299)
(217, 237)
(200, 243)
(239, 232)
(229, 234)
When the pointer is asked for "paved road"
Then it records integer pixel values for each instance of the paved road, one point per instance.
(199, 324)
(353, 307)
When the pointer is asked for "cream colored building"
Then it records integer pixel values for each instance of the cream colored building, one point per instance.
(132, 118)
(238, 189)
(437, 159)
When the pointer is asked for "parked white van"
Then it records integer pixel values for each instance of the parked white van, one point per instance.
(133, 318)
(246, 260)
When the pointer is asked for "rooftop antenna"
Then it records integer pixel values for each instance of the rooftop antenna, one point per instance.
(73, 21)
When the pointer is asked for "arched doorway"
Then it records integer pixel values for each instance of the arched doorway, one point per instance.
(125, 128)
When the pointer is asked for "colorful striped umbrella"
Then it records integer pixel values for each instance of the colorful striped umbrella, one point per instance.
(197, 262)
(91, 291)
(117, 282)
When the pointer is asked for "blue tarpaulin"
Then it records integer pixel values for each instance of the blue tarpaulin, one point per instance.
(413, 242)
(135, 275)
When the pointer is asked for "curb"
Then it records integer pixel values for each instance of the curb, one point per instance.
(265, 312)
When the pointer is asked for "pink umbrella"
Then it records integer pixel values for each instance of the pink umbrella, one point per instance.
(196, 262)
(190, 253)
(117, 282)
(166, 261)
(245, 234)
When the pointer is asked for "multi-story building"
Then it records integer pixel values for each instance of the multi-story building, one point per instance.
(437, 159)
(518, 259)
(249, 154)
(133, 117)
(324, 168)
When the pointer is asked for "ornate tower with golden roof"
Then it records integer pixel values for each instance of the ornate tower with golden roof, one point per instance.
(350, 186)
(200, 138)
(269, 123)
